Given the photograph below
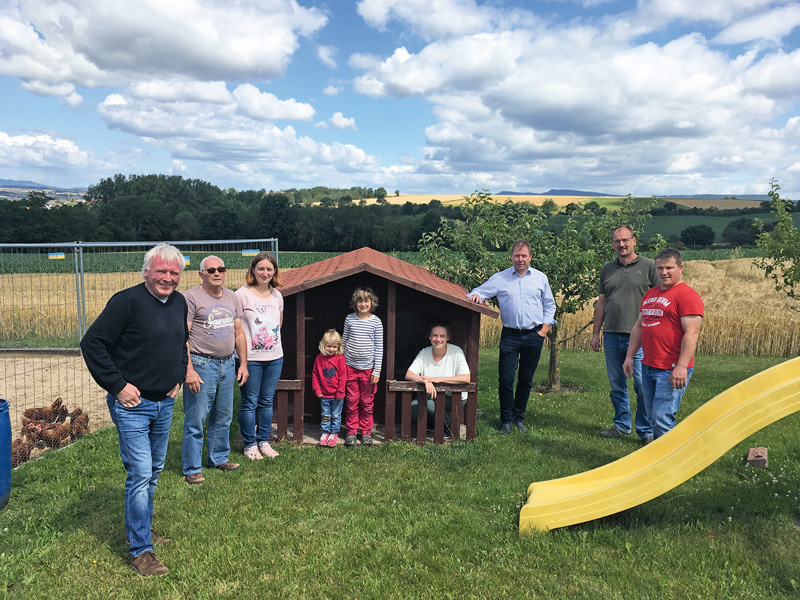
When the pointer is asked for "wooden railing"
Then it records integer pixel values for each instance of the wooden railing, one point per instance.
(405, 391)
(397, 391)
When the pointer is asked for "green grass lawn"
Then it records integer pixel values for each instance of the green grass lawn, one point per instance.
(400, 521)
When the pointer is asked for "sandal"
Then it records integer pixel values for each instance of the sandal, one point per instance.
(267, 450)
(252, 453)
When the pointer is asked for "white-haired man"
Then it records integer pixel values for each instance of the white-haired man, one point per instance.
(136, 351)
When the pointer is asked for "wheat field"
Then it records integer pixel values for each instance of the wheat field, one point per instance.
(744, 314)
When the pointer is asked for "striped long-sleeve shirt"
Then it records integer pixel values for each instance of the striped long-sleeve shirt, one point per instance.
(363, 343)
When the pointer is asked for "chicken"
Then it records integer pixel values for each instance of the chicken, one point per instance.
(21, 450)
(56, 435)
(33, 430)
(78, 423)
(50, 414)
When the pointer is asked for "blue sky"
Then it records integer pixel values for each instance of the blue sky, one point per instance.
(424, 96)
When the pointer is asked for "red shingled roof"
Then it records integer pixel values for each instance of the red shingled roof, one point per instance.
(371, 261)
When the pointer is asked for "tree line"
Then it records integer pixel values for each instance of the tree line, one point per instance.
(161, 207)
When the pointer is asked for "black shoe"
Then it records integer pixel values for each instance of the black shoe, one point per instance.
(647, 440)
(350, 440)
(505, 429)
(521, 427)
(612, 432)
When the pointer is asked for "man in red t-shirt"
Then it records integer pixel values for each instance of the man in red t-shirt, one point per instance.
(667, 331)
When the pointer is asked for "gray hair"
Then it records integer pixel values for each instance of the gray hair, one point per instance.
(203, 262)
(167, 253)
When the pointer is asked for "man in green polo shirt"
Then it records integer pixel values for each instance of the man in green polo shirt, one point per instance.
(623, 283)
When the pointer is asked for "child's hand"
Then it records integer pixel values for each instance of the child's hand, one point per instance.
(374, 379)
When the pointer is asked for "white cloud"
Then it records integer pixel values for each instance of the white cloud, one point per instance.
(182, 91)
(326, 54)
(332, 90)
(773, 24)
(41, 150)
(264, 106)
(92, 43)
(237, 138)
(540, 104)
(338, 121)
(434, 19)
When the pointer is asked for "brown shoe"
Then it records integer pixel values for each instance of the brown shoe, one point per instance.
(226, 466)
(195, 478)
(147, 564)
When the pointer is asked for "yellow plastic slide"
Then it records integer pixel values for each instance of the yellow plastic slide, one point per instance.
(696, 442)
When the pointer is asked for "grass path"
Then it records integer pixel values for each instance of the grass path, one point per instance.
(406, 522)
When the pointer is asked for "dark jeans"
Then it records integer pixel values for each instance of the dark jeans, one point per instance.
(523, 350)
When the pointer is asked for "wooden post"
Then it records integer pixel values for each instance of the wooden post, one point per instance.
(391, 340)
(300, 356)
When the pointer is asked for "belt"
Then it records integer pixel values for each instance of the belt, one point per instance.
(223, 359)
(523, 331)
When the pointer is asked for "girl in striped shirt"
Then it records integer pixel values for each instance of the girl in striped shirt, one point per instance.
(363, 353)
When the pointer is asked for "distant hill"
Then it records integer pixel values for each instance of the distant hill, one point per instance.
(560, 193)
(32, 185)
(757, 197)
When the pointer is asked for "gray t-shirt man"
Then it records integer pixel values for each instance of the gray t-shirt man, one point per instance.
(622, 283)
(212, 332)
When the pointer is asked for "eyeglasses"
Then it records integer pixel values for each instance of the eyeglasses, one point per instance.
(213, 270)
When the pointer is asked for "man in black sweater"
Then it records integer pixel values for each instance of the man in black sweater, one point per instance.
(136, 351)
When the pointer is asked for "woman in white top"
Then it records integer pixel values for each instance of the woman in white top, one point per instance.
(441, 362)
(262, 320)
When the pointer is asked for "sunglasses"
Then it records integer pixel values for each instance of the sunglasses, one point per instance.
(213, 270)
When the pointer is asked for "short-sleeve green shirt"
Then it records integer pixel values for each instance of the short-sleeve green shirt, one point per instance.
(624, 286)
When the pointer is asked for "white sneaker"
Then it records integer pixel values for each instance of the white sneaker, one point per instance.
(267, 450)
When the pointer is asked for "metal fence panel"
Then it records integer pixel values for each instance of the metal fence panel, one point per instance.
(51, 293)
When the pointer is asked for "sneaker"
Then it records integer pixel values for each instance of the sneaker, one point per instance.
(647, 440)
(350, 440)
(195, 478)
(267, 450)
(147, 564)
(323, 441)
(252, 453)
(611, 432)
(366, 440)
(333, 439)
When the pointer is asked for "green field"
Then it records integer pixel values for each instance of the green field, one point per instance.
(401, 521)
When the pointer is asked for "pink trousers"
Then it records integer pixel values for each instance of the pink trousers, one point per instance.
(359, 398)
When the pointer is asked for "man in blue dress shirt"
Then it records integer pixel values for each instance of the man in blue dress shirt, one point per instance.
(527, 308)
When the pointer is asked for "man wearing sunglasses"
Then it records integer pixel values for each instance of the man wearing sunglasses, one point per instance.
(215, 329)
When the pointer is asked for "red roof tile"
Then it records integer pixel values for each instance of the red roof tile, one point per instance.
(371, 261)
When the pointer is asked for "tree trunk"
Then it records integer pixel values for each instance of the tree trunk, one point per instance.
(554, 369)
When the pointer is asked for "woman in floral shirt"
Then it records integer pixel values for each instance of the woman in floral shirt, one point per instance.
(262, 320)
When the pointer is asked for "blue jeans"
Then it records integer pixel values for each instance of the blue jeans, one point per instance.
(215, 401)
(616, 347)
(255, 411)
(523, 349)
(143, 432)
(331, 414)
(661, 401)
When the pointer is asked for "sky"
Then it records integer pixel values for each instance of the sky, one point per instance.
(655, 97)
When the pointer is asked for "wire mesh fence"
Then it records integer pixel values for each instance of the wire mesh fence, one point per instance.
(49, 295)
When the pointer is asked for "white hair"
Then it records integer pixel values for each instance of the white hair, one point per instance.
(167, 253)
